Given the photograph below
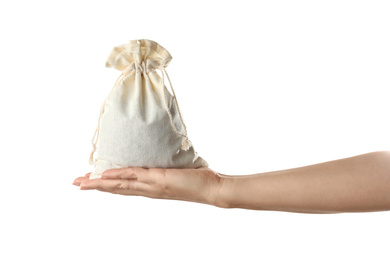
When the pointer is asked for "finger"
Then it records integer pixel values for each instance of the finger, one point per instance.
(131, 173)
(78, 180)
(125, 186)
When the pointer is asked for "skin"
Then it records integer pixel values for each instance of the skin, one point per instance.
(354, 184)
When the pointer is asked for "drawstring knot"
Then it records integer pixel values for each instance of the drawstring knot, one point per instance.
(143, 66)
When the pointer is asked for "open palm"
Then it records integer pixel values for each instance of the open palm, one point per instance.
(196, 185)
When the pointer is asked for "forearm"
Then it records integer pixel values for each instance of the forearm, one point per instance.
(354, 184)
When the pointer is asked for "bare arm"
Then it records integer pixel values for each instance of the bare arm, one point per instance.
(355, 184)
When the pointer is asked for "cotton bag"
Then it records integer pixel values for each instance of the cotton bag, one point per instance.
(140, 123)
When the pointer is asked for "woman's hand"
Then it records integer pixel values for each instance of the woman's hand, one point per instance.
(355, 184)
(200, 185)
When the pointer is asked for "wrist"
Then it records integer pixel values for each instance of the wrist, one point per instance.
(223, 191)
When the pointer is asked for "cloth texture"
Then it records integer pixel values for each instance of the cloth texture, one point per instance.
(140, 122)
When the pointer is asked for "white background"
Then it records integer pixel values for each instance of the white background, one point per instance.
(263, 86)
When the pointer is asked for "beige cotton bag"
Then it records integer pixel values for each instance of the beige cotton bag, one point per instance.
(140, 123)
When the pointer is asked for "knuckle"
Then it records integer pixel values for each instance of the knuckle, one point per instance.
(126, 185)
(129, 173)
(121, 186)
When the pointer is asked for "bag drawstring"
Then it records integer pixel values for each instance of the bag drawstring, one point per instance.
(97, 131)
(186, 143)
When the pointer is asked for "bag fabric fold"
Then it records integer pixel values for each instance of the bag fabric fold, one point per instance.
(140, 122)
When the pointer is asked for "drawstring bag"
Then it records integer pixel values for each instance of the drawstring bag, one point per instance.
(140, 123)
